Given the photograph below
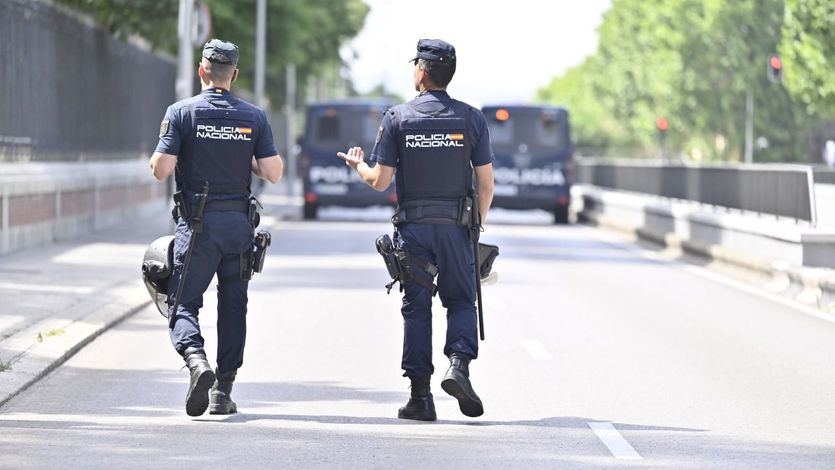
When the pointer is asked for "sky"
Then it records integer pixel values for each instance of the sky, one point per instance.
(507, 49)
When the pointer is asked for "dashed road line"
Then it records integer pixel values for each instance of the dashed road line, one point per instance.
(614, 441)
(537, 350)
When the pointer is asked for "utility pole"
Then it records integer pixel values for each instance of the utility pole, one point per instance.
(749, 127)
(290, 115)
(183, 86)
(260, 50)
(185, 56)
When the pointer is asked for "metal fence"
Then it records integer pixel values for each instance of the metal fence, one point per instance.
(783, 190)
(70, 92)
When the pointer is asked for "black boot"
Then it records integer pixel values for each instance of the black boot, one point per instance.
(421, 406)
(220, 396)
(457, 383)
(202, 378)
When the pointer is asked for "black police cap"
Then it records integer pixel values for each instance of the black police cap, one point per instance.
(435, 50)
(220, 52)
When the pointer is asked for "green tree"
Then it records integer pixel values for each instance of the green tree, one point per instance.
(808, 52)
(695, 62)
(307, 34)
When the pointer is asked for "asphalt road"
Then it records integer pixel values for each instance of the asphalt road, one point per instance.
(595, 356)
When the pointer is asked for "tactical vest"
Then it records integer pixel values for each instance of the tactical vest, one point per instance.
(222, 142)
(435, 151)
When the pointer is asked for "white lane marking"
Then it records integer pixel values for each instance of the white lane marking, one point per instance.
(713, 276)
(537, 350)
(495, 302)
(57, 289)
(614, 441)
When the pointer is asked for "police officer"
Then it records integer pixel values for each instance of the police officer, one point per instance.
(433, 145)
(219, 139)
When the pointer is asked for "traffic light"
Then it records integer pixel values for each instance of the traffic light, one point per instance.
(775, 68)
(662, 125)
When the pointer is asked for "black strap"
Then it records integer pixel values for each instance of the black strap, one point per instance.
(429, 269)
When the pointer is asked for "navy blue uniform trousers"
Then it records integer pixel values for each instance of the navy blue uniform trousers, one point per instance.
(217, 250)
(449, 248)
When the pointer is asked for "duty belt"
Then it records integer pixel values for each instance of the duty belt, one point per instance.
(220, 188)
(223, 206)
(428, 212)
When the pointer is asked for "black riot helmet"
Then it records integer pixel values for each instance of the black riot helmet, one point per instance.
(157, 266)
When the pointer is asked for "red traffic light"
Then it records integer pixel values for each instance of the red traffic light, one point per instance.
(775, 62)
(662, 124)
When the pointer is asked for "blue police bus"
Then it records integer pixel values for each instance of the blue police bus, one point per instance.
(533, 167)
(333, 127)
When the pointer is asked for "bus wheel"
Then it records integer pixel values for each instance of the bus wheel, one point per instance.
(310, 211)
(561, 215)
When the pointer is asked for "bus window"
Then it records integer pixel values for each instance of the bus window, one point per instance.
(327, 129)
(341, 127)
(530, 131)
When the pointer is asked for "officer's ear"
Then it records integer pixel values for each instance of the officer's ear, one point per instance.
(234, 75)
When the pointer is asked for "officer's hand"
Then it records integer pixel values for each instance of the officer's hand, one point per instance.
(353, 158)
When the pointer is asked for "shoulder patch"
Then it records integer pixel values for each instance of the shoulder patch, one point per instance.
(163, 127)
(379, 134)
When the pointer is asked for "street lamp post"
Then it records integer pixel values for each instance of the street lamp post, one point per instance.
(185, 55)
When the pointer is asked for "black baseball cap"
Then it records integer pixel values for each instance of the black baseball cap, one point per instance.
(435, 50)
(221, 52)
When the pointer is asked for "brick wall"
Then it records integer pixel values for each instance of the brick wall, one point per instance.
(113, 197)
(74, 203)
(31, 209)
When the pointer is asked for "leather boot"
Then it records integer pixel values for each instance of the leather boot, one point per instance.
(202, 378)
(420, 406)
(220, 396)
(457, 383)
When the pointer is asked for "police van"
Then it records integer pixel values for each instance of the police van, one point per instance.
(533, 167)
(333, 127)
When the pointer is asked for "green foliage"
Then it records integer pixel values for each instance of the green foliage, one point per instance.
(808, 52)
(154, 20)
(694, 62)
(308, 34)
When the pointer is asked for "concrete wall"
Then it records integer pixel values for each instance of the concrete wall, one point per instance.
(46, 202)
(740, 237)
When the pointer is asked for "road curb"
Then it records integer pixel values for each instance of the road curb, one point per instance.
(814, 287)
(36, 361)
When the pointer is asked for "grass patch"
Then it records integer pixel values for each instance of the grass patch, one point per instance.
(50, 333)
(4, 366)
(55, 332)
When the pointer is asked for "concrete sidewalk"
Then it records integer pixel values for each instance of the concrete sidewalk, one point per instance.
(59, 297)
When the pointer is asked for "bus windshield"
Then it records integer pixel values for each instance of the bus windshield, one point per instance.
(536, 132)
(340, 127)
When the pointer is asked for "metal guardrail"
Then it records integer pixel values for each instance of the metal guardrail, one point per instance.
(782, 190)
(70, 92)
(824, 175)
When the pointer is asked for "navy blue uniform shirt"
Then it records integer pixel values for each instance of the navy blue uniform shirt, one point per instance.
(177, 131)
(177, 123)
(387, 149)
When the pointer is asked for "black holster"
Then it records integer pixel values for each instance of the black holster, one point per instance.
(401, 266)
(253, 214)
(253, 260)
